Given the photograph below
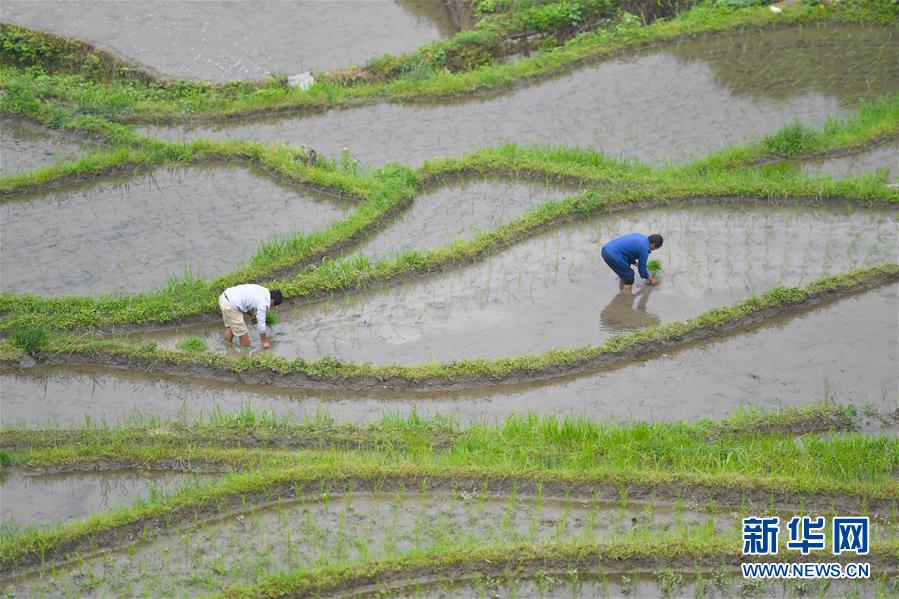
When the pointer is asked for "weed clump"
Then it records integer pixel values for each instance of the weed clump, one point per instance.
(654, 265)
(32, 339)
(271, 319)
(193, 345)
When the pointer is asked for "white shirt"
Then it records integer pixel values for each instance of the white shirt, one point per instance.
(249, 297)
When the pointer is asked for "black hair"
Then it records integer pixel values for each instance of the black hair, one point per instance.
(276, 297)
(656, 240)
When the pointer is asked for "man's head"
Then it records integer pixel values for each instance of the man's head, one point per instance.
(655, 241)
(276, 296)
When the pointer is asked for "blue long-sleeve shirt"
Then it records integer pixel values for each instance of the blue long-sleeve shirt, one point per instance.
(630, 249)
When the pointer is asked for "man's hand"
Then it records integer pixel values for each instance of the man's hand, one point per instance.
(264, 338)
(652, 280)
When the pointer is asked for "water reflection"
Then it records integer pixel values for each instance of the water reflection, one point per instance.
(623, 315)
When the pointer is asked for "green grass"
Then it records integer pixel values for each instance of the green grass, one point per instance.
(31, 340)
(412, 434)
(193, 345)
(424, 74)
(394, 187)
(471, 370)
(560, 452)
(508, 559)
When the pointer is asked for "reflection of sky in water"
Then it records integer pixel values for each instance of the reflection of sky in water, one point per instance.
(654, 107)
(241, 40)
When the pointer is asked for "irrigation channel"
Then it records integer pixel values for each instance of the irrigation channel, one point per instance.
(458, 401)
(706, 94)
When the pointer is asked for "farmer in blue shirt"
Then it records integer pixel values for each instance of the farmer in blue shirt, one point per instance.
(629, 249)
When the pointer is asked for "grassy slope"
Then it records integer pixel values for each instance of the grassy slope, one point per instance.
(569, 451)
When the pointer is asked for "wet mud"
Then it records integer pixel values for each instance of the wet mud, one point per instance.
(459, 208)
(307, 532)
(222, 41)
(46, 499)
(25, 146)
(554, 290)
(846, 351)
(882, 158)
(699, 103)
(133, 233)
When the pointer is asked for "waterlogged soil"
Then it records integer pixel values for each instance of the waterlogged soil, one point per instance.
(881, 159)
(574, 583)
(293, 533)
(459, 208)
(134, 232)
(222, 41)
(555, 291)
(702, 95)
(47, 499)
(846, 352)
(25, 146)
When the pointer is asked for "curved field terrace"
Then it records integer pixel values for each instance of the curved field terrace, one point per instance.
(131, 233)
(844, 352)
(459, 399)
(212, 41)
(691, 109)
(25, 146)
(554, 291)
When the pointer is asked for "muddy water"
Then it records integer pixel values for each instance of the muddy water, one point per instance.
(883, 158)
(26, 146)
(304, 533)
(46, 499)
(555, 291)
(132, 233)
(846, 352)
(693, 105)
(459, 209)
(570, 583)
(222, 41)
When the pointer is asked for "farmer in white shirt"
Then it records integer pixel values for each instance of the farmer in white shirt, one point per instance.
(254, 300)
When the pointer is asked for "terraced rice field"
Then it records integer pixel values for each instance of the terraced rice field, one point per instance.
(459, 401)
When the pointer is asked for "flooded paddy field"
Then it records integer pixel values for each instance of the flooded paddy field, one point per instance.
(882, 158)
(222, 41)
(459, 208)
(555, 291)
(26, 146)
(846, 352)
(132, 233)
(574, 583)
(305, 532)
(28, 499)
(698, 100)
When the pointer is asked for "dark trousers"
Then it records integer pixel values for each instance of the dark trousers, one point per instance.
(620, 266)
